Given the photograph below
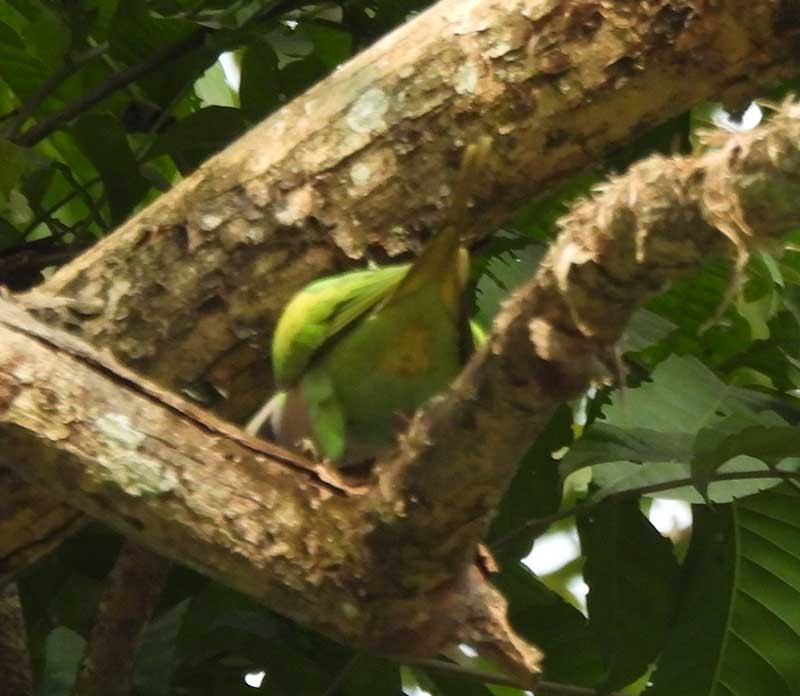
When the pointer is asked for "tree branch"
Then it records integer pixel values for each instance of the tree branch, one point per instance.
(200, 492)
(388, 566)
(130, 596)
(338, 172)
(117, 81)
(175, 289)
(665, 217)
(49, 86)
(15, 659)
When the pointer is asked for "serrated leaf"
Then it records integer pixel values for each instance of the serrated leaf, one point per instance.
(738, 627)
(632, 575)
(649, 434)
(602, 443)
(683, 395)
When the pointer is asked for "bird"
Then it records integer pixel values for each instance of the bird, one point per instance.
(355, 354)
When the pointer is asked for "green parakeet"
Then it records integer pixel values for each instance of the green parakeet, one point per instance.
(355, 354)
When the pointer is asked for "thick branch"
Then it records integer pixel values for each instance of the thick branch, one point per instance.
(388, 567)
(235, 508)
(189, 290)
(662, 219)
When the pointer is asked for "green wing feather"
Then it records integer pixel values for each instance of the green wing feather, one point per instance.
(321, 310)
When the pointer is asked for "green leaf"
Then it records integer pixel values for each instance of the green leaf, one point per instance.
(670, 429)
(103, 140)
(658, 479)
(23, 71)
(738, 627)
(366, 675)
(332, 45)
(195, 138)
(645, 329)
(260, 87)
(44, 31)
(156, 657)
(534, 492)
(632, 574)
(683, 396)
(692, 301)
(736, 436)
(136, 35)
(571, 654)
(602, 443)
(14, 162)
(63, 652)
(212, 88)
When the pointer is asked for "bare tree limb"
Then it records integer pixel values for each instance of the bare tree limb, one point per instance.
(189, 290)
(15, 659)
(32, 524)
(388, 566)
(128, 601)
(198, 491)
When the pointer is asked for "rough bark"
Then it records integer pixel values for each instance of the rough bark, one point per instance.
(196, 490)
(388, 565)
(188, 291)
(32, 524)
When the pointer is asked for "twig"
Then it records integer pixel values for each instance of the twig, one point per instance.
(336, 682)
(83, 192)
(125, 77)
(542, 688)
(49, 212)
(117, 81)
(540, 524)
(49, 86)
(18, 268)
(472, 673)
(547, 688)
